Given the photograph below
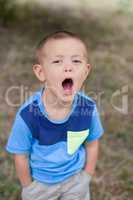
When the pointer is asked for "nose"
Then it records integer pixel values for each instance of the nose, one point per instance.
(68, 68)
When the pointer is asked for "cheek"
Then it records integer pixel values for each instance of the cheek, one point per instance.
(50, 74)
(81, 74)
(80, 78)
(52, 79)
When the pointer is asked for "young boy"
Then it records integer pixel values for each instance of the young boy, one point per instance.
(55, 135)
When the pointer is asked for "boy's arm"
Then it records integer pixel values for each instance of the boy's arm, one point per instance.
(22, 169)
(91, 156)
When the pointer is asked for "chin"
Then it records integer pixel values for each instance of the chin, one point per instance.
(67, 99)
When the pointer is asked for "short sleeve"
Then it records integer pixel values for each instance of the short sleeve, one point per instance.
(96, 128)
(20, 138)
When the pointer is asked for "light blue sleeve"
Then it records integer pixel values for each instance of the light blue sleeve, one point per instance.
(96, 129)
(20, 137)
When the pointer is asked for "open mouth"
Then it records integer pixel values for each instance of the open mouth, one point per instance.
(67, 84)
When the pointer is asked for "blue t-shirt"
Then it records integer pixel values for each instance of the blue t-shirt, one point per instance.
(55, 148)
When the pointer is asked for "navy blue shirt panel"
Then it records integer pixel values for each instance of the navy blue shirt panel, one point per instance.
(48, 133)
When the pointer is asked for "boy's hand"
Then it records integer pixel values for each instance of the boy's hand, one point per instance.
(89, 172)
(26, 184)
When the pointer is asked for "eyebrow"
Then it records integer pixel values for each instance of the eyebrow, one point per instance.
(84, 56)
(77, 56)
(61, 56)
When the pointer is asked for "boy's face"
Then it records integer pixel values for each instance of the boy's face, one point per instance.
(64, 67)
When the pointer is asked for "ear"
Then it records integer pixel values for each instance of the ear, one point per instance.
(39, 72)
(88, 70)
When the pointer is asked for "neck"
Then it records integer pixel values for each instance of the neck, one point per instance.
(53, 102)
(57, 110)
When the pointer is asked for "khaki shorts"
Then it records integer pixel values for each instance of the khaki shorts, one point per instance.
(74, 188)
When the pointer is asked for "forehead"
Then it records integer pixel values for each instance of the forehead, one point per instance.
(63, 46)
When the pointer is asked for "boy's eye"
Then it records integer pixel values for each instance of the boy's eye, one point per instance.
(77, 61)
(56, 61)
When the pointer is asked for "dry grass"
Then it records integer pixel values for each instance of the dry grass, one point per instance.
(110, 37)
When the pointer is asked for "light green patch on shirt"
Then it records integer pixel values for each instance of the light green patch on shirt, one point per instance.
(75, 139)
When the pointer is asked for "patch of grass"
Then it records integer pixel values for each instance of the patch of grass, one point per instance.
(111, 56)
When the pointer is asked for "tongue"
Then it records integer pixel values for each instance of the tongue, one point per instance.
(67, 88)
